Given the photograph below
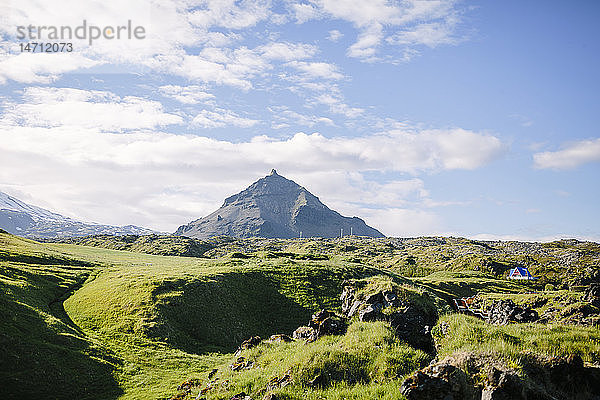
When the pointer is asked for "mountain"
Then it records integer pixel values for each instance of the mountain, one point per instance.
(275, 207)
(26, 220)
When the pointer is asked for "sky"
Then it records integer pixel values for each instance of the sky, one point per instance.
(423, 117)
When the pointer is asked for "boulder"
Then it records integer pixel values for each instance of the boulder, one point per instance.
(248, 344)
(371, 312)
(504, 311)
(411, 322)
(280, 338)
(306, 333)
(327, 323)
(490, 378)
(240, 396)
(592, 294)
(440, 381)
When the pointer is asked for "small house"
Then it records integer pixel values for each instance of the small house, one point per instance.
(521, 273)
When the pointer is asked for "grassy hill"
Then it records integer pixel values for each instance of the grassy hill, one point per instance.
(104, 319)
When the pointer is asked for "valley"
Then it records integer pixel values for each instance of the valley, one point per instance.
(83, 320)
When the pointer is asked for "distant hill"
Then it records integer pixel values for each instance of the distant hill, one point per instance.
(275, 207)
(30, 221)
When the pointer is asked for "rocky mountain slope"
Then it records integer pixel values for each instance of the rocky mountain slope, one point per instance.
(30, 221)
(275, 207)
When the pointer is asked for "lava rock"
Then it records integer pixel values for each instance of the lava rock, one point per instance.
(441, 381)
(592, 294)
(305, 332)
(504, 311)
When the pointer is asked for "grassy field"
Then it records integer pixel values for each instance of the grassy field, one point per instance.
(91, 321)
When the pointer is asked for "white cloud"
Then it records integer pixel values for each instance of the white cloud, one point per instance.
(404, 222)
(407, 23)
(337, 105)
(428, 34)
(335, 35)
(230, 14)
(287, 51)
(221, 118)
(192, 94)
(317, 70)
(162, 180)
(366, 45)
(40, 68)
(305, 12)
(571, 156)
(76, 108)
(282, 115)
(171, 26)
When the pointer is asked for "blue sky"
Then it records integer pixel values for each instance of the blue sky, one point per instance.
(475, 119)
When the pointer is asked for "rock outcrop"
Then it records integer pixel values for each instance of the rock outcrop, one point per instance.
(504, 311)
(490, 379)
(411, 321)
(275, 207)
(322, 323)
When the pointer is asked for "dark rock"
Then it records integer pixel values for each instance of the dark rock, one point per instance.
(504, 311)
(411, 323)
(305, 332)
(322, 323)
(503, 385)
(331, 326)
(248, 344)
(372, 312)
(390, 299)
(592, 294)
(491, 379)
(277, 382)
(414, 327)
(280, 338)
(376, 298)
(240, 396)
(441, 381)
(241, 363)
(212, 373)
(319, 317)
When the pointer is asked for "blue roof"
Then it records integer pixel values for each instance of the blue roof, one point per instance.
(522, 271)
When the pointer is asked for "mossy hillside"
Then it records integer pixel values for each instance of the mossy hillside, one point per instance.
(210, 306)
(556, 306)
(146, 314)
(454, 284)
(408, 291)
(367, 361)
(559, 263)
(172, 318)
(165, 245)
(42, 353)
(515, 343)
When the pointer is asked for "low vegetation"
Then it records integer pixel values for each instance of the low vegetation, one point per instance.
(135, 317)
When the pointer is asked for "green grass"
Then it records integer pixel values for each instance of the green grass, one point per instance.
(366, 361)
(516, 342)
(40, 347)
(97, 322)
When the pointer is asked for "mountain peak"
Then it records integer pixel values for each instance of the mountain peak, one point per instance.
(275, 208)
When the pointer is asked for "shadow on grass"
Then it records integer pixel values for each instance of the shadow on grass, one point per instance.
(218, 314)
(45, 359)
